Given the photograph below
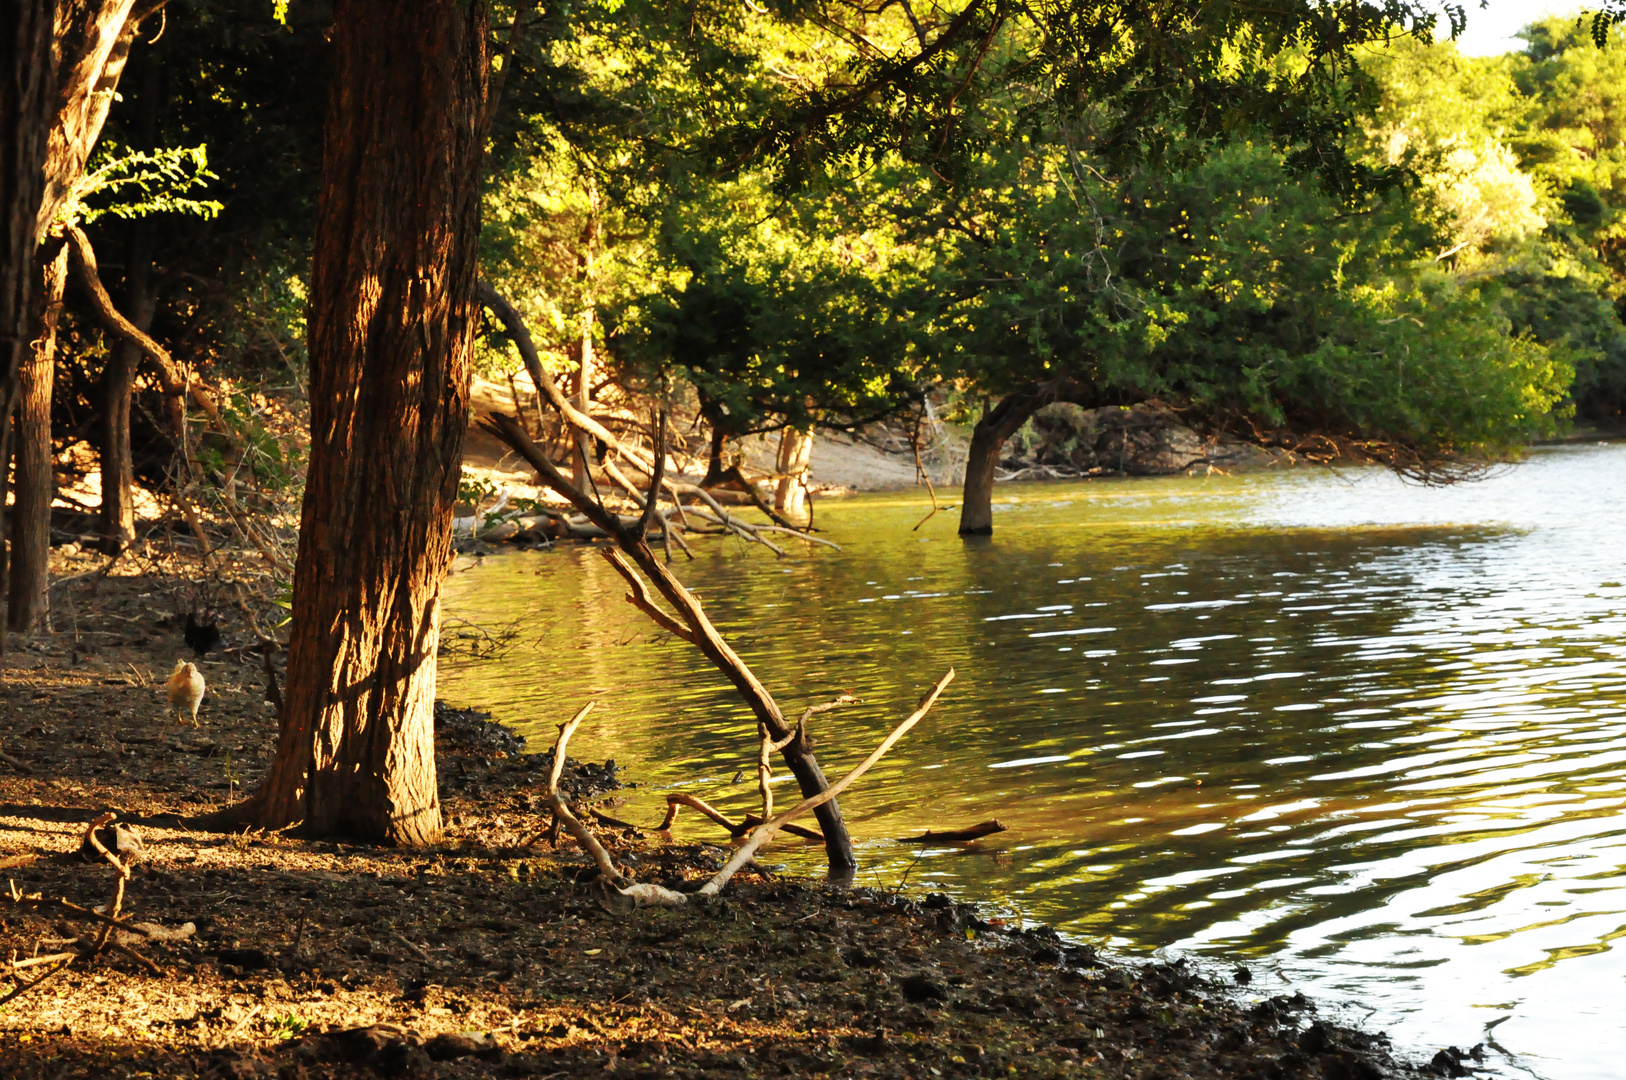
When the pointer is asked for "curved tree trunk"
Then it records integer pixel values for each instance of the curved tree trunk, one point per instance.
(1000, 423)
(35, 479)
(27, 79)
(391, 332)
(987, 440)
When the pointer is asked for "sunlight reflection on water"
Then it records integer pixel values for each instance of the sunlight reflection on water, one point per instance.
(1368, 735)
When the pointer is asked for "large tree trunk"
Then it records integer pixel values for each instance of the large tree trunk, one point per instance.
(27, 79)
(988, 440)
(35, 483)
(392, 327)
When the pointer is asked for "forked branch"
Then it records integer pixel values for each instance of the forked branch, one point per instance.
(689, 617)
(561, 809)
(642, 894)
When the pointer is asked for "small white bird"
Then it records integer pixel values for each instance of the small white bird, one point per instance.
(185, 686)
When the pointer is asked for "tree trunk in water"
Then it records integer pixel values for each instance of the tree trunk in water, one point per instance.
(714, 458)
(29, 598)
(988, 439)
(27, 81)
(392, 327)
(795, 449)
(117, 518)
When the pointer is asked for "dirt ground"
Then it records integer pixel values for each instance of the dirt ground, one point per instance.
(303, 959)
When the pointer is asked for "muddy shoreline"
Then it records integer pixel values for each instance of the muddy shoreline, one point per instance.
(309, 959)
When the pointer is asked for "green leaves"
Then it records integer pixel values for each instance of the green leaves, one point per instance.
(135, 183)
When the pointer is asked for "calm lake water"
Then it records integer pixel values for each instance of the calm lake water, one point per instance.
(1368, 737)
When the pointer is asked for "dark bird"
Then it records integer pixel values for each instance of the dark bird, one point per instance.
(203, 637)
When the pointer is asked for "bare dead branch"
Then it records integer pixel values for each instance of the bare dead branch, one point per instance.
(640, 598)
(705, 635)
(766, 830)
(954, 836)
(676, 799)
(561, 810)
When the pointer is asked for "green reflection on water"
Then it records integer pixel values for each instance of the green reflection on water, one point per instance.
(1348, 725)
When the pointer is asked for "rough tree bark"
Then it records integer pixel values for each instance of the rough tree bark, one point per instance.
(392, 327)
(27, 78)
(93, 39)
(90, 46)
(988, 440)
(35, 483)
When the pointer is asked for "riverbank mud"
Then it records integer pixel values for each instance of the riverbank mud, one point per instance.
(482, 957)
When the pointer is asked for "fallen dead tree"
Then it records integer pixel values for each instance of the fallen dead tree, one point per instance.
(653, 465)
(635, 562)
(618, 892)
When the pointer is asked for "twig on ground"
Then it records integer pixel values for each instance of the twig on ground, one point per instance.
(416, 948)
(23, 988)
(20, 766)
(94, 841)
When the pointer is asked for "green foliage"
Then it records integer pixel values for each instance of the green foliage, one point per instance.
(1234, 288)
(139, 182)
(1113, 192)
(288, 1027)
(776, 312)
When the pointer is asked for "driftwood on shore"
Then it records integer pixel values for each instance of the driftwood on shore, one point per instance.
(637, 564)
(618, 892)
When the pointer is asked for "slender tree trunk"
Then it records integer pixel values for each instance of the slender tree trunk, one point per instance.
(714, 457)
(27, 80)
(988, 440)
(392, 326)
(795, 449)
(117, 512)
(35, 483)
(117, 518)
(581, 456)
